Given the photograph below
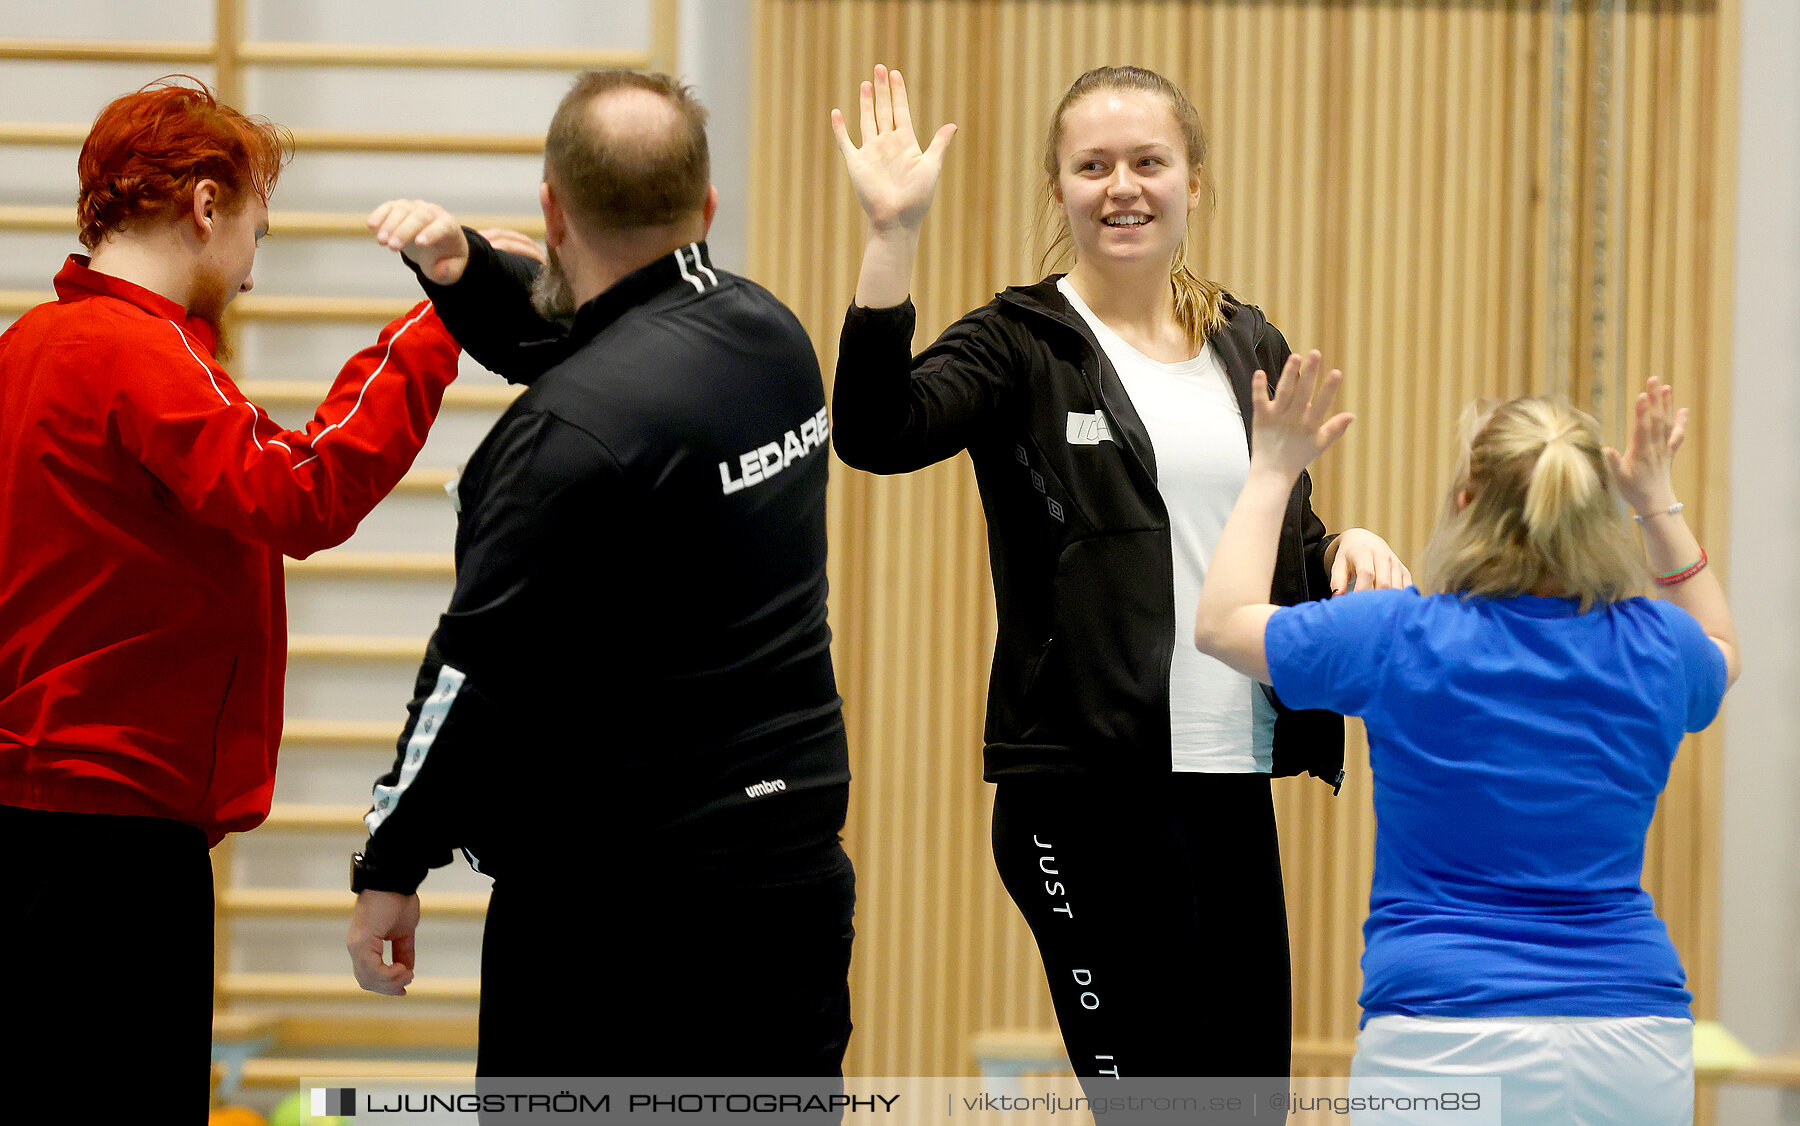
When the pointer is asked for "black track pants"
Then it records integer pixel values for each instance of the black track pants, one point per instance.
(685, 975)
(107, 945)
(1157, 907)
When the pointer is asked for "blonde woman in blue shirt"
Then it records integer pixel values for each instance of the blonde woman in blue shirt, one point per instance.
(1523, 705)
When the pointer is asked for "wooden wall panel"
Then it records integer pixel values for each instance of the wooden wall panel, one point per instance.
(1386, 175)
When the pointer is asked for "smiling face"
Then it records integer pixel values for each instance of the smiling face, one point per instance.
(1124, 183)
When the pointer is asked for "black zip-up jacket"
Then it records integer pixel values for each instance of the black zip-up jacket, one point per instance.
(1078, 533)
(636, 658)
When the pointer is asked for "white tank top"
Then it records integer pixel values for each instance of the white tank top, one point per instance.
(1219, 720)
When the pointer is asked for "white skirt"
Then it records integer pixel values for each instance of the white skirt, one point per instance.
(1555, 1071)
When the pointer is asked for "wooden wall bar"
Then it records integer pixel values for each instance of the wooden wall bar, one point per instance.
(1384, 174)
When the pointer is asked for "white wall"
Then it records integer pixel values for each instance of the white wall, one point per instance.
(1759, 972)
(714, 58)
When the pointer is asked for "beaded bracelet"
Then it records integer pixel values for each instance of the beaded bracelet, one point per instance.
(1678, 577)
(1669, 511)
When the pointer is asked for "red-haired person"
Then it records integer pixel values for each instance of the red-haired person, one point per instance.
(143, 627)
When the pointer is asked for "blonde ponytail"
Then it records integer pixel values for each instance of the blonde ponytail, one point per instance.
(1534, 508)
(1199, 302)
(1562, 481)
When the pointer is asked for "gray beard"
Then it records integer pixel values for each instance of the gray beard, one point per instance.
(551, 294)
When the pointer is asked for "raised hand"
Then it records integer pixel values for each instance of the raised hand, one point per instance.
(1657, 431)
(893, 178)
(426, 234)
(1296, 425)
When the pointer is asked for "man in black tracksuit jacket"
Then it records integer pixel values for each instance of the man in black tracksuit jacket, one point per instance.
(628, 716)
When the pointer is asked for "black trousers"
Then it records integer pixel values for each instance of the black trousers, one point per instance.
(674, 974)
(107, 946)
(1157, 906)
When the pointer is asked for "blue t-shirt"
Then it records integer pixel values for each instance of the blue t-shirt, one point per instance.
(1518, 748)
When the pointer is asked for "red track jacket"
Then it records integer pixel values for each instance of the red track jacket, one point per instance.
(144, 509)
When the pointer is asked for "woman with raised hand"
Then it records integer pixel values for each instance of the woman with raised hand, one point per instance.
(1106, 413)
(1524, 704)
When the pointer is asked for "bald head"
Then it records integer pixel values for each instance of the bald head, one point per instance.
(628, 150)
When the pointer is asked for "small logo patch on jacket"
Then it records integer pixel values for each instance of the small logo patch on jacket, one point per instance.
(1088, 429)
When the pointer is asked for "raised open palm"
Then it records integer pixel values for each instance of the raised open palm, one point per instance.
(1644, 470)
(1298, 422)
(893, 178)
